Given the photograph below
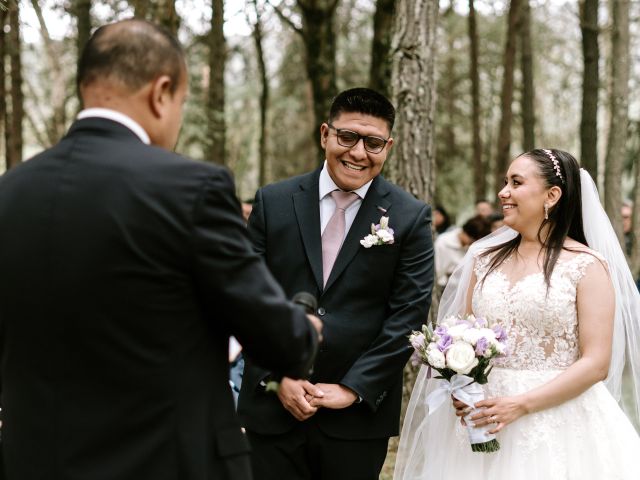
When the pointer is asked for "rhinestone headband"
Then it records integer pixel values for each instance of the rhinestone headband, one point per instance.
(556, 163)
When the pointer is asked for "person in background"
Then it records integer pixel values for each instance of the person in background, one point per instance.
(626, 212)
(451, 246)
(496, 220)
(441, 220)
(247, 206)
(484, 208)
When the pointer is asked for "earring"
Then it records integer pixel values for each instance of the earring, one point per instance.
(546, 211)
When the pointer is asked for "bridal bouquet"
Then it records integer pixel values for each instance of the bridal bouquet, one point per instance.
(461, 351)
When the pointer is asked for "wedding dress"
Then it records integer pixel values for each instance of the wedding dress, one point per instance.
(588, 437)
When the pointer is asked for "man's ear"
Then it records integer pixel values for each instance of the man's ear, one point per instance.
(389, 145)
(553, 195)
(324, 134)
(160, 95)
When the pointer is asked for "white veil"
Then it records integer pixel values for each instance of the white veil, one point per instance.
(626, 334)
(626, 342)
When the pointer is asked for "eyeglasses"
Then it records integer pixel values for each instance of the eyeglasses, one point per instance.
(349, 138)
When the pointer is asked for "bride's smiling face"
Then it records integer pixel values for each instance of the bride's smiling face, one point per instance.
(523, 195)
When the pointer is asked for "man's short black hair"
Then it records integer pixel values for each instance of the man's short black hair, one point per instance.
(363, 100)
(133, 52)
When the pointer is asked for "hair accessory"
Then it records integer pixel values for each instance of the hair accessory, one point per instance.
(556, 163)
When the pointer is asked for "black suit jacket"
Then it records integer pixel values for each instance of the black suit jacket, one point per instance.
(373, 299)
(125, 268)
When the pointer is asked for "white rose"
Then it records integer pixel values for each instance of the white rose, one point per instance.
(471, 335)
(384, 222)
(449, 321)
(369, 241)
(435, 357)
(500, 347)
(385, 236)
(461, 357)
(457, 330)
(489, 334)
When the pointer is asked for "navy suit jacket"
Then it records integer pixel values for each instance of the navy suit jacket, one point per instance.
(373, 299)
(125, 268)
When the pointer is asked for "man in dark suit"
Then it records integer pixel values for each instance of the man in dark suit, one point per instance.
(371, 295)
(125, 269)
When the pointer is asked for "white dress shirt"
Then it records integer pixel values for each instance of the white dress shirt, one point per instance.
(328, 205)
(119, 117)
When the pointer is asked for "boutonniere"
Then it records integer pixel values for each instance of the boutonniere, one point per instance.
(381, 234)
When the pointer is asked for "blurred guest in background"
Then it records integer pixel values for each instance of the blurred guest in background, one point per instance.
(451, 246)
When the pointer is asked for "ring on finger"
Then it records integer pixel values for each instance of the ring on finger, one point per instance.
(494, 419)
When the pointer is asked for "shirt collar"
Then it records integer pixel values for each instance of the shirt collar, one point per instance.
(118, 117)
(327, 185)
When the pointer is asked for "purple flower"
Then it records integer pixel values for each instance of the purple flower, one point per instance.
(444, 343)
(417, 341)
(440, 330)
(481, 346)
(501, 335)
(377, 227)
(481, 322)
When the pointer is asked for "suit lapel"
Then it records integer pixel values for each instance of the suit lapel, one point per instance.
(370, 212)
(307, 207)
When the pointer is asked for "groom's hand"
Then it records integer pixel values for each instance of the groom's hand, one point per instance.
(335, 396)
(292, 396)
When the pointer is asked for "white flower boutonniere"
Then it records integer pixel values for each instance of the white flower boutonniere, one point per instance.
(381, 234)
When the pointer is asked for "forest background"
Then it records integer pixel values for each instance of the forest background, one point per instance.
(475, 83)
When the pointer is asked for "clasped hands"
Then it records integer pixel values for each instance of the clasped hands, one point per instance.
(303, 398)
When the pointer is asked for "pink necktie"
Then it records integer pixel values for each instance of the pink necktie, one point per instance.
(333, 234)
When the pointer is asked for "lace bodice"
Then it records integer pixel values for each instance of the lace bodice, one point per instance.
(542, 326)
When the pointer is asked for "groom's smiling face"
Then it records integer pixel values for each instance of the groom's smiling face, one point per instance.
(352, 167)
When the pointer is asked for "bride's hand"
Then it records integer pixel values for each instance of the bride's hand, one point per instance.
(499, 410)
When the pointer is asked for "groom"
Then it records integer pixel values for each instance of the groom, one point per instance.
(309, 229)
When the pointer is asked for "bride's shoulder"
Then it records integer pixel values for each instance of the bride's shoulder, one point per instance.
(581, 256)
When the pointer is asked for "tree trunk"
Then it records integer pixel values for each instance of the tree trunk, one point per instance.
(217, 60)
(320, 44)
(57, 87)
(526, 68)
(448, 94)
(590, 84)
(14, 150)
(506, 97)
(141, 8)
(619, 104)
(264, 97)
(82, 12)
(480, 183)
(380, 71)
(3, 91)
(81, 9)
(167, 16)
(413, 84)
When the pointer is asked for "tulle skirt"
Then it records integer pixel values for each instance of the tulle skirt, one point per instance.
(588, 437)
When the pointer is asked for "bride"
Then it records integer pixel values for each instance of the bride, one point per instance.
(557, 280)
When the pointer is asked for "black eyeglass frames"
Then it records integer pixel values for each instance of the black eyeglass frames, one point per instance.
(349, 138)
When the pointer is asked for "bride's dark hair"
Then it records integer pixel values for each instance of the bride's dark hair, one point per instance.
(556, 168)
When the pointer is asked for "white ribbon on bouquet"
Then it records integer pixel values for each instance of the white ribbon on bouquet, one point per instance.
(460, 386)
(467, 391)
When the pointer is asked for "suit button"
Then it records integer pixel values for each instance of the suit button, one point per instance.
(321, 311)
